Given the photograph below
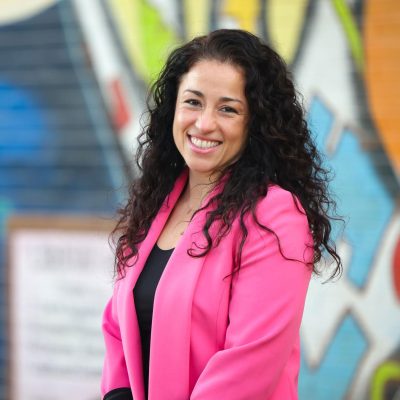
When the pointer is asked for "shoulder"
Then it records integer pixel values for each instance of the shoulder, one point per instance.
(280, 221)
(280, 203)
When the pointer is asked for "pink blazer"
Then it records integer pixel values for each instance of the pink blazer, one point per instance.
(215, 336)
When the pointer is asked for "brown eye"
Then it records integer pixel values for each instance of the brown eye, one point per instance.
(227, 109)
(193, 102)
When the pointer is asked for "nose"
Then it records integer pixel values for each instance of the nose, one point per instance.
(205, 121)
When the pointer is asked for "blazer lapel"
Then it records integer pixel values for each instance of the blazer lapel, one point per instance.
(128, 320)
(170, 335)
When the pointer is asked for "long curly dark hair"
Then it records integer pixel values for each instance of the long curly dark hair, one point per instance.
(279, 150)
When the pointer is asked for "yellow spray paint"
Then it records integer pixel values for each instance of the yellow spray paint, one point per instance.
(143, 34)
(245, 12)
(389, 371)
(284, 23)
(197, 17)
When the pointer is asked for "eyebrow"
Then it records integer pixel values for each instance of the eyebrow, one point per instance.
(224, 98)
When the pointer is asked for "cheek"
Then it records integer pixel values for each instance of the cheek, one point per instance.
(176, 127)
(177, 121)
(176, 139)
(182, 121)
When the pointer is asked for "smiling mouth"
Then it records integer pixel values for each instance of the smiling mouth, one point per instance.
(203, 144)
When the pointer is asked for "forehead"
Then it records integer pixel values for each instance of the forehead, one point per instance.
(214, 76)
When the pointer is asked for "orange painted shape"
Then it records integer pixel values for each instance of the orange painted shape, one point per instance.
(396, 269)
(120, 110)
(382, 50)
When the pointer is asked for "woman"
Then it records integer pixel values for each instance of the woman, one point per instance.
(221, 233)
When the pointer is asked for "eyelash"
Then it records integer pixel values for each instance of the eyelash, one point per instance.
(229, 110)
(225, 109)
(192, 102)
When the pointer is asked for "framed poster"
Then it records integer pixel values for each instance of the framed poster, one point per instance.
(60, 274)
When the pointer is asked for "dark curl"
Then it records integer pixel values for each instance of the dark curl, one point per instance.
(279, 149)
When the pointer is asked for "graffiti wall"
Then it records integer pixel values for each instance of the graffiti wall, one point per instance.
(73, 79)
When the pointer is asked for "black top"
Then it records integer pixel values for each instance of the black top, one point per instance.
(144, 292)
(119, 394)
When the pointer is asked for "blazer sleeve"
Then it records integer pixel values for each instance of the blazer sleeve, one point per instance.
(266, 306)
(114, 374)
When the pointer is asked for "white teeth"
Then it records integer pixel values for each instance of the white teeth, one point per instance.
(203, 144)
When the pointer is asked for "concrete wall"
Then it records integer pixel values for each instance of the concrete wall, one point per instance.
(73, 78)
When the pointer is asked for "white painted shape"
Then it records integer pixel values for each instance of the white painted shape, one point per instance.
(325, 65)
(102, 47)
(108, 66)
(128, 135)
(12, 11)
(227, 22)
(326, 304)
(168, 11)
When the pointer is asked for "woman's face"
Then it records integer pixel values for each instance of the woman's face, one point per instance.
(211, 115)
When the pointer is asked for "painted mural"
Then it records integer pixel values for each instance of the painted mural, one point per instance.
(345, 57)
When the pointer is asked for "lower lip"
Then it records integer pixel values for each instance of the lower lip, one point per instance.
(200, 150)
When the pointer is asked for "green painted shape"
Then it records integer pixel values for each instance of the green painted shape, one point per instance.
(390, 370)
(157, 39)
(352, 34)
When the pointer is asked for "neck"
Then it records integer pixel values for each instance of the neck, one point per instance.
(197, 188)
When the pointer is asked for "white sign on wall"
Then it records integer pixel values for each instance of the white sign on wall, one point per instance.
(60, 277)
